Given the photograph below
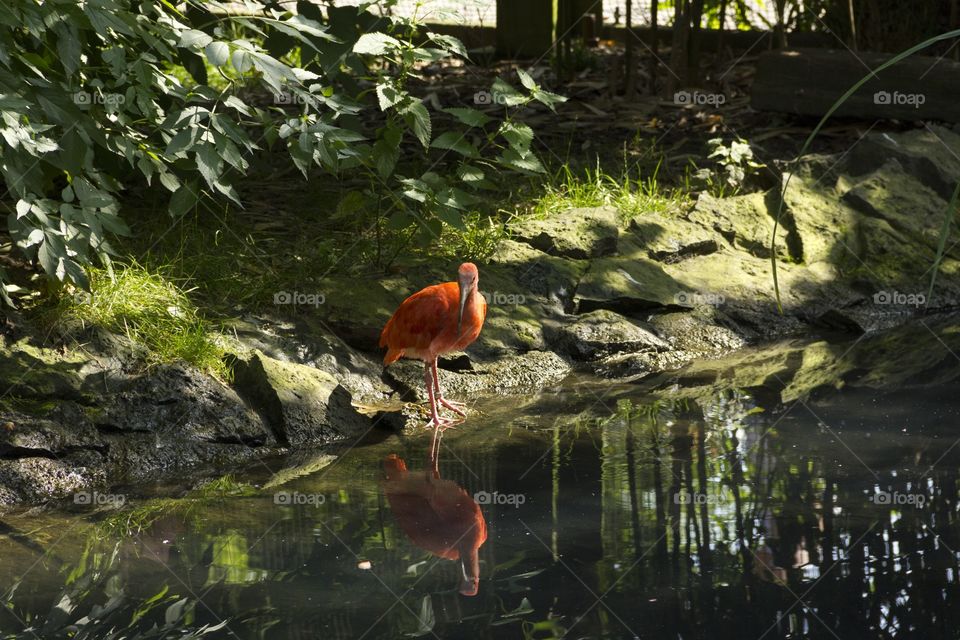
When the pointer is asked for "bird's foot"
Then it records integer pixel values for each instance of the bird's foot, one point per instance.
(456, 407)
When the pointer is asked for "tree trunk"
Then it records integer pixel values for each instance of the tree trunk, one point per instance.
(654, 45)
(629, 87)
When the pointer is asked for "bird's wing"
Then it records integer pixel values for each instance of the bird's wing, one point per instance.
(420, 318)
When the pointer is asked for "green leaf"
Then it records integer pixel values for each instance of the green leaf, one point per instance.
(217, 53)
(455, 142)
(183, 199)
(388, 95)
(208, 163)
(449, 43)
(525, 163)
(527, 80)
(418, 119)
(518, 135)
(375, 44)
(507, 95)
(470, 174)
(191, 38)
(469, 116)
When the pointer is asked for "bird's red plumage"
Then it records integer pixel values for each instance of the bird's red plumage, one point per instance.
(425, 324)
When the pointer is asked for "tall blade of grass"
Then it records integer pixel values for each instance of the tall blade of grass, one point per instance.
(806, 145)
(944, 233)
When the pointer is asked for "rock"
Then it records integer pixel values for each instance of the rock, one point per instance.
(588, 232)
(29, 371)
(303, 405)
(671, 240)
(178, 403)
(705, 332)
(602, 333)
(625, 284)
(358, 313)
(930, 153)
(515, 374)
(37, 478)
(307, 340)
(746, 222)
(536, 273)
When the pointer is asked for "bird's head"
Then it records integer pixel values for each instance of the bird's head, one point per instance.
(467, 278)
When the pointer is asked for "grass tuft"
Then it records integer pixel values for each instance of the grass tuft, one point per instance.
(151, 310)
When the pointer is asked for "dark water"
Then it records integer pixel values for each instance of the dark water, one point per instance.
(795, 492)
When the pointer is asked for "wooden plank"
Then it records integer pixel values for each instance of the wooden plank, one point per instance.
(809, 81)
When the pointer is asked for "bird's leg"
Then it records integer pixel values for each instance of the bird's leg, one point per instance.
(456, 407)
(435, 418)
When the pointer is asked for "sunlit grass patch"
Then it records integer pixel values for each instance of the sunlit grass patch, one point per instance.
(148, 308)
(628, 191)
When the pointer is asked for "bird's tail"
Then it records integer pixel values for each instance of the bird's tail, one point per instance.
(392, 356)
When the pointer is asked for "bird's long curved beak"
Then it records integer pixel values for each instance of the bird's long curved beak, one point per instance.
(464, 293)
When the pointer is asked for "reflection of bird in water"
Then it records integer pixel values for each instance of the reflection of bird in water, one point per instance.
(438, 516)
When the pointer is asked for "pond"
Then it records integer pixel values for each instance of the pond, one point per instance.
(801, 490)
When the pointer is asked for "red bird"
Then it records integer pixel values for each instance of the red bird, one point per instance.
(439, 319)
(438, 516)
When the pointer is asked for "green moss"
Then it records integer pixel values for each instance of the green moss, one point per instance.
(150, 309)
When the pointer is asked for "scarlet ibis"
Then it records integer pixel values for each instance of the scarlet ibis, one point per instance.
(438, 516)
(438, 319)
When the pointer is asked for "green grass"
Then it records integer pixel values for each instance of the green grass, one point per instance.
(148, 308)
(628, 191)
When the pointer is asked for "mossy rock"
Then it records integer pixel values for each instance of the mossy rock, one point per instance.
(603, 333)
(303, 405)
(29, 371)
(930, 153)
(670, 240)
(357, 310)
(746, 222)
(586, 232)
(626, 284)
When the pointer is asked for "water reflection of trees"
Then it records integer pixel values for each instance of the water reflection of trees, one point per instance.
(782, 532)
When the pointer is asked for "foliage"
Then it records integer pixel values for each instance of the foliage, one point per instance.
(150, 310)
(102, 96)
(734, 164)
